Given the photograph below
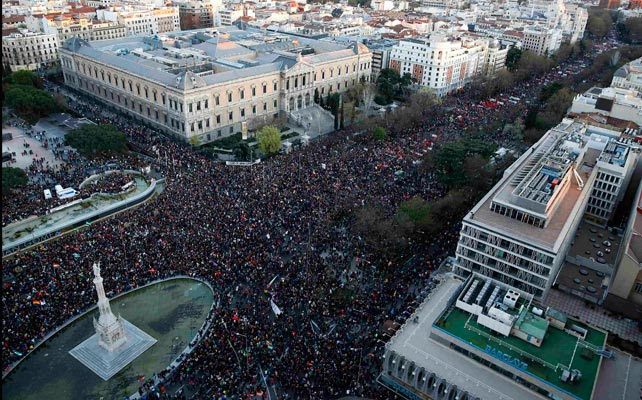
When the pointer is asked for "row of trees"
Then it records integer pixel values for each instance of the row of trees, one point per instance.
(466, 170)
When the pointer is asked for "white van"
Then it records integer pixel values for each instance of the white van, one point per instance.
(66, 193)
(47, 194)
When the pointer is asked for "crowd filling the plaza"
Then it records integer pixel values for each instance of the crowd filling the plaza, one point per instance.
(279, 232)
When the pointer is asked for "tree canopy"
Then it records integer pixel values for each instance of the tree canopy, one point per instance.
(391, 84)
(28, 102)
(630, 30)
(599, 22)
(23, 77)
(12, 178)
(379, 133)
(90, 139)
(450, 160)
(269, 139)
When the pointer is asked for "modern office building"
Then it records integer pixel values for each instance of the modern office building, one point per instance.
(481, 339)
(521, 231)
(207, 83)
(625, 291)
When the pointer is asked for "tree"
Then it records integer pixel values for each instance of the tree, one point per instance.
(630, 30)
(385, 235)
(379, 133)
(515, 130)
(332, 102)
(599, 22)
(512, 58)
(555, 109)
(12, 178)
(367, 99)
(23, 77)
(417, 211)
(450, 159)
(269, 139)
(28, 102)
(90, 139)
(194, 141)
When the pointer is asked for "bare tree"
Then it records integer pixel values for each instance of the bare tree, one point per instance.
(367, 98)
(615, 58)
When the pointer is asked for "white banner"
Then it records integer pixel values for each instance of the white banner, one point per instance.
(275, 308)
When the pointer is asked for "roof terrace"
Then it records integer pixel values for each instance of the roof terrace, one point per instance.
(559, 350)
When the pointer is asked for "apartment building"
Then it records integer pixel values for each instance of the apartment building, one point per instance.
(541, 40)
(29, 50)
(66, 26)
(230, 15)
(521, 231)
(144, 22)
(207, 83)
(446, 63)
(196, 15)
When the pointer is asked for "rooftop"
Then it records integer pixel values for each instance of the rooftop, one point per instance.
(545, 362)
(413, 343)
(216, 55)
(530, 175)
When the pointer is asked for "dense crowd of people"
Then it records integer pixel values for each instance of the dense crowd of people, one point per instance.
(275, 232)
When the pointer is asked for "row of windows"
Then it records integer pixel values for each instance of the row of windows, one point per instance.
(518, 215)
(523, 251)
(597, 211)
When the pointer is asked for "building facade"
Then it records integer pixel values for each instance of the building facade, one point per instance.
(542, 41)
(208, 89)
(520, 233)
(28, 50)
(446, 63)
(196, 15)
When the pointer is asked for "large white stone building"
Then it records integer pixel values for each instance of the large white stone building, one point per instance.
(521, 231)
(29, 50)
(206, 83)
(446, 63)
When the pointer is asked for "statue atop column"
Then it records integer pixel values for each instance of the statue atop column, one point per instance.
(109, 328)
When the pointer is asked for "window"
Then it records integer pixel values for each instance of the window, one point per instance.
(253, 109)
(264, 106)
(229, 97)
(242, 112)
(198, 106)
(253, 91)
(274, 85)
(264, 88)
(190, 107)
(638, 287)
(230, 116)
(217, 100)
(192, 126)
(241, 94)
(275, 103)
(206, 105)
(218, 119)
(207, 123)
